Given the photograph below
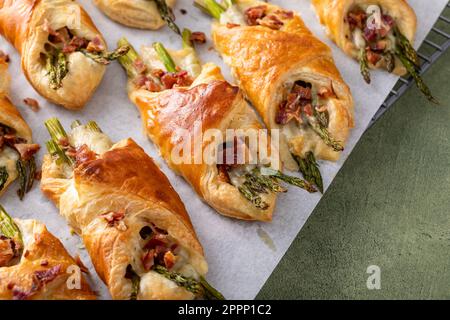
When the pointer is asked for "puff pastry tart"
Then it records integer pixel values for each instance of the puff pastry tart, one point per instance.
(132, 222)
(177, 95)
(16, 147)
(143, 14)
(379, 34)
(290, 78)
(63, 54)
(34, 265)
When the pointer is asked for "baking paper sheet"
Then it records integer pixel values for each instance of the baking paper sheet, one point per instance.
(239, 260)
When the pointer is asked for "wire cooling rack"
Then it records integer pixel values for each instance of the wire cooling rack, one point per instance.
(435, 44)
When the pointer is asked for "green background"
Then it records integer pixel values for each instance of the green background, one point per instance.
(389, 206)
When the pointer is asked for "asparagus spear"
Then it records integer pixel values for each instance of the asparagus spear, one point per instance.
(310, 170)
(57, 68)
(135, 282)
(324, 134)
(75, 124)
(3, 177)
(253, 196)
(106, 57)
(57, 133)
(9, 229)
(390, 62)
(201, 287)
(417, 78)
(128, 60)
(210, 7)
(364, 65)
(92, 125)
(406, 47)
(165, 57)
(26, 171)
(289, 179)
(186, 36)
(167, 14)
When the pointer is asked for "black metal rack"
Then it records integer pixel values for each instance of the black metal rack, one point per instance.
(435, 44)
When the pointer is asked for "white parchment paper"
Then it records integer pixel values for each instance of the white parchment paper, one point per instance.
(239, 260)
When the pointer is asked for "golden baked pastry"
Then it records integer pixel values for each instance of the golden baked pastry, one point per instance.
(63, 54)
(34, 265)
(16, 147)
(132, 222)
(290, 78)
(176, 95)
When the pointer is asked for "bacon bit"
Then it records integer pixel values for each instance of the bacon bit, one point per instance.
(152, 86)
(198, 37)
(75, 44)
(388, 20)
(26, 253)
(7, 252)
(156, 240)
(223, 173)
(27, 150)
(372, 57)
(183, 11)
(38, 175)
(148, 259)
(308, 109)
(80, 264)
(84, 154)
(181, 78)
(44, 263)
(302, 92)
(232, 25)
(115, 219)
(32, 103)
(4, 56)
(45, 276)
(10, 286)
(158, 73)
(271, 22)
(140, 66)
(285, 14)
(96, 45)
(356, 19)
(63, 142)
(253, 14)
(169, 259)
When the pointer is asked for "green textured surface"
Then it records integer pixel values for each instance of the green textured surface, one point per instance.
(389, 206)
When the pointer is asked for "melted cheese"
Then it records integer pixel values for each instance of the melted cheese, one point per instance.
(96, 141)
(8, 159)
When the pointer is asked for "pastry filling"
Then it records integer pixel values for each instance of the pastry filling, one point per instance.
(377, 37)
(161, 253)
(11, 243)
(254, 181)
(63, 42)
(16, 159)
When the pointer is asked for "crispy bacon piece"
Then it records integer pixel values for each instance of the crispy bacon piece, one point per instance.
(308, 109)
(285, 14)
(180, 78)
(45, 276)
(32, 103)
(356, 19)
(140, 66)
(302, 92)
(169, 259)
(372, 56)
(27, 150)
(271, 21)
(232, 25)
(75, 44)
(95, 45)
(115, 219)
(253, 14)
(198, 37)
(84, 154)
(148, 259)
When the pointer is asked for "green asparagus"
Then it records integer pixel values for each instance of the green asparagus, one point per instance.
(26, 170)
(135, 282)
(9, 229)
(57, 133)
(210, 7)
(165, 57)
(167, 14)
(364, 65)
(324, 134)
(310, 170)
(406, 47)
(199, 288)
(105, 58)
(129, 59)
(57, 68)
(3, 177)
